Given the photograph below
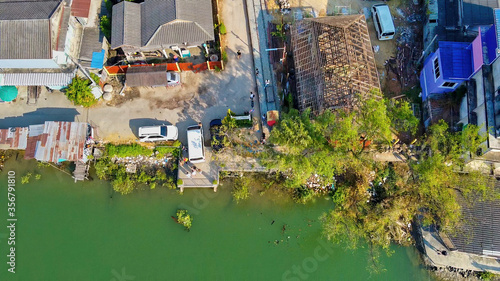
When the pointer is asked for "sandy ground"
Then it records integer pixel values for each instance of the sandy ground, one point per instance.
(202, 97)
(387, 48)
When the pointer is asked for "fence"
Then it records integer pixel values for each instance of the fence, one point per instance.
(178, 67)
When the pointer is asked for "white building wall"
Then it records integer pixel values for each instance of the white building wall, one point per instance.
(29, 63)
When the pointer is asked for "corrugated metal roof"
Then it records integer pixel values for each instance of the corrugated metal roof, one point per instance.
(62, 141)
(36, 79)
(478, 12)
(63, 28)
(90, 43)
(155, 13)
(27, 10)
(163, 22)
(25, 39)
(179, 32)
(14, 138)
(126, 27)
(149, 76)
(456, 59)
(199, 11)
(480, 231)
(80, 8)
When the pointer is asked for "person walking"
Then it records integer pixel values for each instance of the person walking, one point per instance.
(238, 54)
(252, 95)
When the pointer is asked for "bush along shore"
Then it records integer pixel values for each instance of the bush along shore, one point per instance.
(376, 201)
(130, 166)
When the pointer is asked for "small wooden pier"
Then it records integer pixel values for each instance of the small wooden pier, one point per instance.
(207, 178)
(81, 171)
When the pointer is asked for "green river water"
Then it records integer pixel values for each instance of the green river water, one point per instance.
(68, 231)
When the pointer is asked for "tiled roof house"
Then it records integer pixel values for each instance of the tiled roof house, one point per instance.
(30, 34)
(161, 24)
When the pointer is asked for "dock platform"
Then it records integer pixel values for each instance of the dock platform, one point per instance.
(81, 171)
(207, 178)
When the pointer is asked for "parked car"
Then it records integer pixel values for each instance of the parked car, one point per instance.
(382, 19)
(173, 79)
(196, 147)
(158, 133)
(216, 135)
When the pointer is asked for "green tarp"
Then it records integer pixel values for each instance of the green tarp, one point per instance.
(8, 93)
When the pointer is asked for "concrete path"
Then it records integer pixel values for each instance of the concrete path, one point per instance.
(203, 96)
(258, 20)
(434, 248)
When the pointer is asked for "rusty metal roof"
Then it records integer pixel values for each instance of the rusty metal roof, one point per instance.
(80, 8)
(14, 138)
(61, 141)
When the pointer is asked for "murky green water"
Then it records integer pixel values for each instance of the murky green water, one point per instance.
(68, 231)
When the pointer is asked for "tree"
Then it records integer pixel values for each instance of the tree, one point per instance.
(401, 116)
(280, 32)
(376, 202)
(473, 139)
(184, 218)
(105, 25)
(241, 189)
(80, 93)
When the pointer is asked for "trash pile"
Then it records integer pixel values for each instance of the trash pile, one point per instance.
(317, 183)
(284, 6)
(141, 161)
(409, 46)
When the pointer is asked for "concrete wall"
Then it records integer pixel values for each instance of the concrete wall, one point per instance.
(464, 111)
(55, 22)
(429, 84)
(27, 63)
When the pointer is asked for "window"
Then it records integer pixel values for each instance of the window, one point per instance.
(433, 21)
(449, 84)
(378, 24)
(437, 71)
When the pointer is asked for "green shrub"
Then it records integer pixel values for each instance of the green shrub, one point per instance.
(179, 182)
(127, 150)
(241, 189)
(26, 178)
(38, 177)
(303, 195)
(42, 164)
(105, 25)
(80, 92)
(166, 151)
(486, 275)
(185, 219)
(244, 123)
(104, 168)
(214, 182)
(95, 77)
(222, 28)
(224, 56)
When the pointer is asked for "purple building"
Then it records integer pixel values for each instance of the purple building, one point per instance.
(451, 65)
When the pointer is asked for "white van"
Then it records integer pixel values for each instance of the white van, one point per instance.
(382, 19)
(196, 148)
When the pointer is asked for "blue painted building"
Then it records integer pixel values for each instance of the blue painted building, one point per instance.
(451, 65)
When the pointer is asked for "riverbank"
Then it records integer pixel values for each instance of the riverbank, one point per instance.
(85, 231)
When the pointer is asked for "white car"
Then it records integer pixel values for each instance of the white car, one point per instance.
(173, 79)
(158, 133)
